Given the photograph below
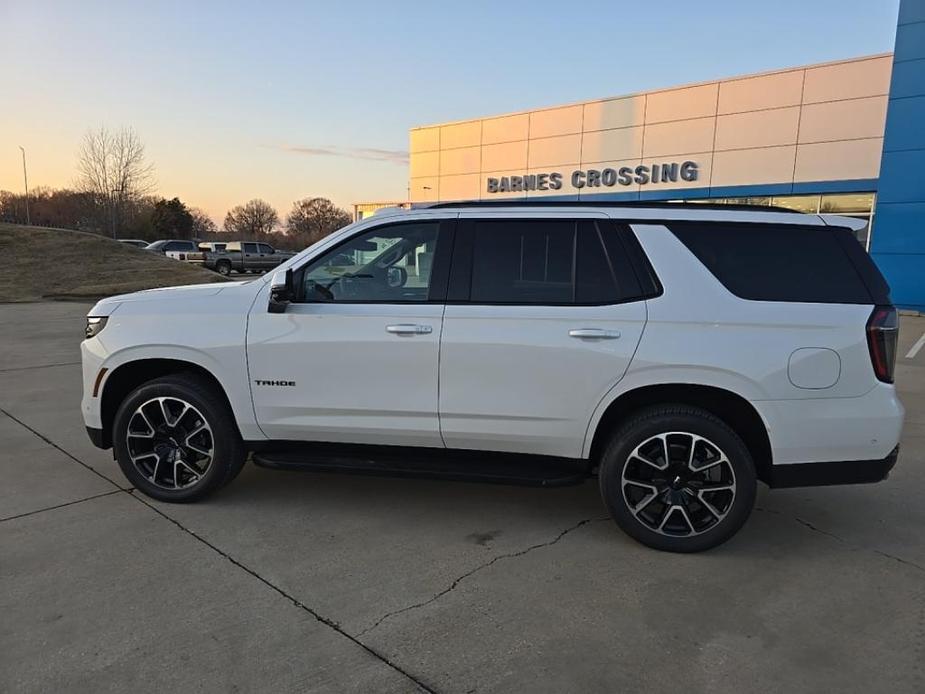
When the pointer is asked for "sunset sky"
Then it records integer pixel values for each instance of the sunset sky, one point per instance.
(287, 100)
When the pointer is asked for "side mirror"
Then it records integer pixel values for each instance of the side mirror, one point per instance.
(397, 277)
(282, 291)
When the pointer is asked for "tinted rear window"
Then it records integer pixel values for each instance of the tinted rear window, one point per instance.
(549, 262)
(776, 262)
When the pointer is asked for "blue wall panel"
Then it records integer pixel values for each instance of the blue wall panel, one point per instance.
(910, 40)
(898, 243)
(911, 12)
(908, 216)
(908, 79)
(905, 124)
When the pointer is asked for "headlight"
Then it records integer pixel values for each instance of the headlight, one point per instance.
(94, 325)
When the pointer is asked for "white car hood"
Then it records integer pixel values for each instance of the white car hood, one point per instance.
(182, 293)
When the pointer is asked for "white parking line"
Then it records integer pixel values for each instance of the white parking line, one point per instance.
(916, 347)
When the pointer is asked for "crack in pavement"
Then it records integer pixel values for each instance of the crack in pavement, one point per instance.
(38, 366)
(294, 600)
(330, 623)
(66, 503)
(852, 545)
(69, 455)
(480, 567)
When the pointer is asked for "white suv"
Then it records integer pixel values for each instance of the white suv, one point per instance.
(680, 352)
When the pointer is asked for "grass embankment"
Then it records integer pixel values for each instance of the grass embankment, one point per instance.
(38, 263)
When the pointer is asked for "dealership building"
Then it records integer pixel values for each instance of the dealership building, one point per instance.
(845, 137)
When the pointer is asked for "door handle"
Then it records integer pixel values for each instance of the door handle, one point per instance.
(594, 333)
(409, 329)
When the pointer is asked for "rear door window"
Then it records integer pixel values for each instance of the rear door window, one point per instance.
(550, 262)
(777, 262)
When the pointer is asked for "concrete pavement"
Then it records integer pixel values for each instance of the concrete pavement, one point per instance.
(295, 582)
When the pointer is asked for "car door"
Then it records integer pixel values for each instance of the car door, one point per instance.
(268, 258)
(542, 319)
(250, 256)
(354, 358)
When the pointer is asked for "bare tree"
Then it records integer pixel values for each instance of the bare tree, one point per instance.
(252, 220)
(203, 226)
(112, 168)
(311, 219)
(114, 161)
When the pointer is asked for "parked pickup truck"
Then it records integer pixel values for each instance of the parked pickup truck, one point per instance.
(243, 256)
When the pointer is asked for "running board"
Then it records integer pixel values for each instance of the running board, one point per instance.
(468, 466)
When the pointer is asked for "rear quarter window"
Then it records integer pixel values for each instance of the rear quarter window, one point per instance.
(777, 262)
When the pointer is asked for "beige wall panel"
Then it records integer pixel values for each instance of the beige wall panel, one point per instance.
(694, 135)
(839, 160)
(750, 166)
(483, 185)
(461, 134)
(464, 187)
(555, 151)
(676, 104)
(510, 155)
(425, 139)
(605, 145)
(758, 129)
(556, 121)
(505, 129)
(424, 189)
(766, 91)
(424, 164)
(843, 120)
(615, 113)
(459, 161)
(848, 80)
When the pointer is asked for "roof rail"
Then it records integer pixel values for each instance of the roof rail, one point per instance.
(658, 204)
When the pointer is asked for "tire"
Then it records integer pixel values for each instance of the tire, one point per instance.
(223, 267)
(700, 499)
(162, 432)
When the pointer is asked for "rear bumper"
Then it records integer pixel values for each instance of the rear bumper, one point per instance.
(863, 428)
(820, 474)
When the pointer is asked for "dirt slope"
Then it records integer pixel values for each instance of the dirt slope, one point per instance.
(38, 263)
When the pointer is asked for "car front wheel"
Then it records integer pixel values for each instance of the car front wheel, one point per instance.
(677, 478)
(175, 439)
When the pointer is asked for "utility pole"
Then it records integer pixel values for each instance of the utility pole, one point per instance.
(25, 179)
(112, 210)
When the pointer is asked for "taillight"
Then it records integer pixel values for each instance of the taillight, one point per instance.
(882, 334)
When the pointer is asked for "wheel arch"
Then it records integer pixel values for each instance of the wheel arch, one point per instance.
(128, 376)
(731, 407)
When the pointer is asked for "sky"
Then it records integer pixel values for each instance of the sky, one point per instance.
(286, 100)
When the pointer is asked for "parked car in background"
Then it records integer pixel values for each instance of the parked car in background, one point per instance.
(198, 257)
(173, 248)
(212, 246)
(245, 256)
(138, 243)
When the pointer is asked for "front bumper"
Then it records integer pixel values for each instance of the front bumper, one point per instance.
(98, 439)
(845, 472)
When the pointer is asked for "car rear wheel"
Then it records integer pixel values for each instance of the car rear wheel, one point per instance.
(223, 268)
(677, 478)
(175, 439)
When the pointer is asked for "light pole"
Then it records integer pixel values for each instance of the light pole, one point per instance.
(112, 208)
(25, 179)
